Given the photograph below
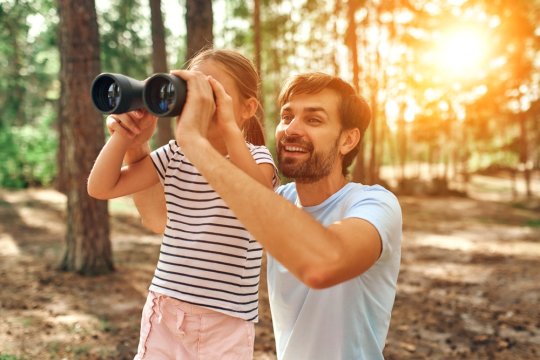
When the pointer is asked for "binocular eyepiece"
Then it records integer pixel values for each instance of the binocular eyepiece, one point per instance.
(162, 94)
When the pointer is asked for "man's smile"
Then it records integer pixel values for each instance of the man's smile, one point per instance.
(292, 148)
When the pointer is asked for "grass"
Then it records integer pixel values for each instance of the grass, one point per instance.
(534, 223)
(10, 357)
(81, 350)
(105, 325)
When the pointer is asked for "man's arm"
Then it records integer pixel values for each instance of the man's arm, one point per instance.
(318, 256)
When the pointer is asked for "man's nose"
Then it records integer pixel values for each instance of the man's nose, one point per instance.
(293, 128)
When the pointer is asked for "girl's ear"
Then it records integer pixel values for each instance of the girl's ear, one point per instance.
(349, 139)
(249, 108)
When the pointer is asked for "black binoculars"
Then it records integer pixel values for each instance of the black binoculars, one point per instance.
(161, 94)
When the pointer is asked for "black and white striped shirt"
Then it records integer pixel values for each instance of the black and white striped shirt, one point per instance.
(207, 258)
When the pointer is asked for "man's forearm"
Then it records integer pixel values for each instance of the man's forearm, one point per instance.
(292, 236)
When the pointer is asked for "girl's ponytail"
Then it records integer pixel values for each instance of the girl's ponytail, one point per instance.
(254, 132)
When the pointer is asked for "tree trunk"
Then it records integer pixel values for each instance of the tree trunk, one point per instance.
(402, 145)
(16, 87)
(60, 182)
(257, 35)
(373, 173)
(258, 49)
(524, 153)
(351, 40)
(88, 248)
(337, 38)
(159, 64)
(199, 25)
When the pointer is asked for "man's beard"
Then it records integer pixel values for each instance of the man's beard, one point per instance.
(317, 166)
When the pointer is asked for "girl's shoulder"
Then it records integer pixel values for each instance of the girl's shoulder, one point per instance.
(254, 148)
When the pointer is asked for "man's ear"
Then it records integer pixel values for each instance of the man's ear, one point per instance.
(249, 108)
(349, 139)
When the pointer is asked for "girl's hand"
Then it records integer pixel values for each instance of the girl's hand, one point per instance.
(198, 109)
(137, 125)
(225, 116)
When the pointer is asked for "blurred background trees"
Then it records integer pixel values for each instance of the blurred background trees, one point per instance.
(453, 84)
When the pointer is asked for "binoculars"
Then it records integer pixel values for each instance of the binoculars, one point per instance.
(161, 94)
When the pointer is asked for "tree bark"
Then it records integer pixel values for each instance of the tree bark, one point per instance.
(199, 25)
(351, 40)
(524, 153)
(159, 64)
(88, 247)
(257, 35)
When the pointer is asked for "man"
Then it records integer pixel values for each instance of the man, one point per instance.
(334, 246)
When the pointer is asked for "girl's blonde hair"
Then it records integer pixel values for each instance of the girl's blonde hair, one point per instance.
(246, 78)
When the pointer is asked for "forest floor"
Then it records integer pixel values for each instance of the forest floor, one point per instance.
(469, 285)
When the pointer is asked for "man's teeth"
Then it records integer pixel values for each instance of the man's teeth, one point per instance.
(294, 148)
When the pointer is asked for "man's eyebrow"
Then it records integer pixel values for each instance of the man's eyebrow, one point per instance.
(285, 108)
(316, 109)
(309, 109)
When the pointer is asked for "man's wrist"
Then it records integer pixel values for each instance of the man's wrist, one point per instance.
(192, 146)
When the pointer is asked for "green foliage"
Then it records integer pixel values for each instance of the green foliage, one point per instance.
(125, 39)
(29, 155)
(29, 60)
(29, 64)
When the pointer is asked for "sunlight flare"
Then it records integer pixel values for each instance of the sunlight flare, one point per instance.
(462, 50)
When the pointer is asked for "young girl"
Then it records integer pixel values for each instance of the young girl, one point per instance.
(203, 299)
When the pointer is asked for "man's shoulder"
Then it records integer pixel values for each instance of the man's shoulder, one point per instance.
(371, 191)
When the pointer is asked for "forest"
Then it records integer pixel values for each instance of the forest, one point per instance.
(454, 89)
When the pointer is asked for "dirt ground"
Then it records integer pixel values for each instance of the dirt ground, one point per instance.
(469, 286)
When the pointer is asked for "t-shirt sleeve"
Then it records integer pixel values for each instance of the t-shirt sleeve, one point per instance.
(262, 155)
(381, 208)
(161, 158)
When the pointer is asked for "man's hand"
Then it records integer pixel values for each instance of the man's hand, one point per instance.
(199, 107)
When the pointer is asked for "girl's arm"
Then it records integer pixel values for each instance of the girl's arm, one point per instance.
(108, 179)
(150, 203)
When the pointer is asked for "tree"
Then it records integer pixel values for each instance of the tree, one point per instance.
(159, 64)
(351, 40)
(257, 35)
(199, 26)
(88, 248)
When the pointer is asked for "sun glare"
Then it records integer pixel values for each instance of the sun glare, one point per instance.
(461, 51)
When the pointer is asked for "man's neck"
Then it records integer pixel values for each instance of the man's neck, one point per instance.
(311, 194)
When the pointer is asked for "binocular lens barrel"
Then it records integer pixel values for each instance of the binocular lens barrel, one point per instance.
(165, 95)
(116, 93)
(161, 94)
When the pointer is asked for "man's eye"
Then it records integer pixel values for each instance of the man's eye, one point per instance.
(286, 118)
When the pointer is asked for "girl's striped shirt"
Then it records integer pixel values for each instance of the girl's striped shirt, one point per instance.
(207, 258)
